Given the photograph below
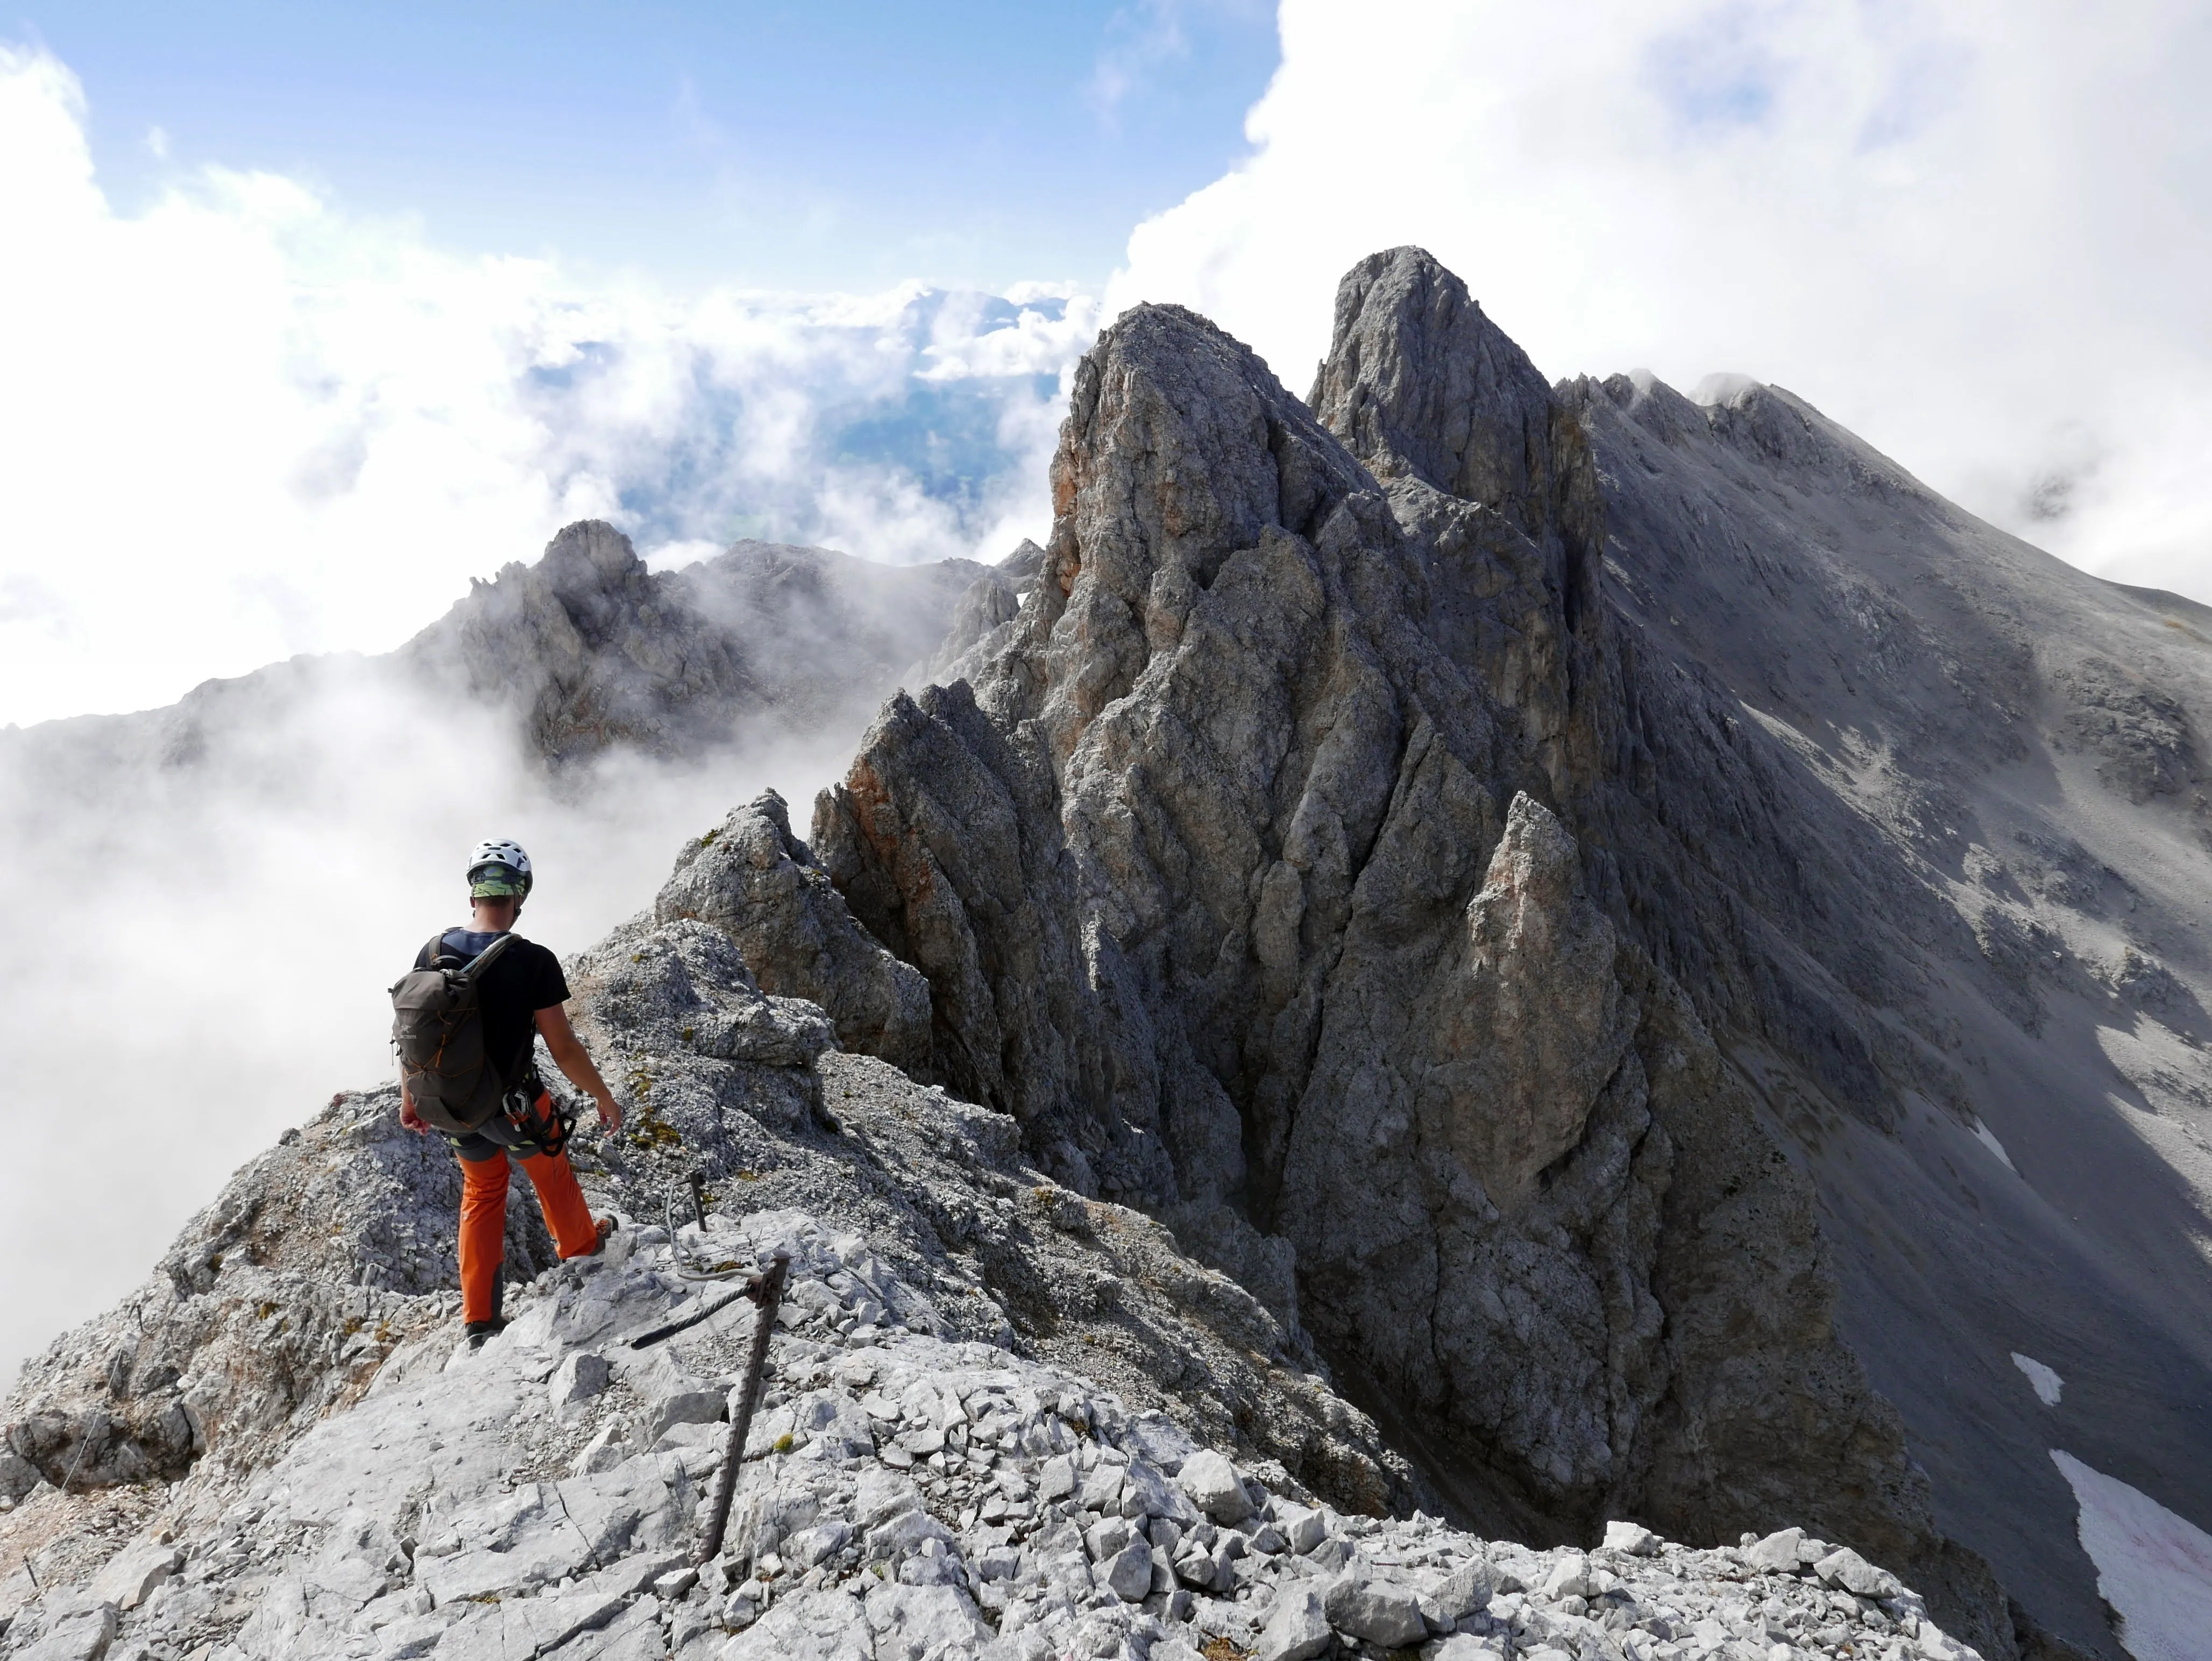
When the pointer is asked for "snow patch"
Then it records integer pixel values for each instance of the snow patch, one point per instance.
(1987, 1138)
(2154, 1567)
(2047, 1383)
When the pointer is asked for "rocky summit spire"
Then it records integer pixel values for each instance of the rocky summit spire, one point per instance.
(1501, 864)
(1238, 870)
(1419, 383)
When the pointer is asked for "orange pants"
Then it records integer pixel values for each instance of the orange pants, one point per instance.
(483, 1222)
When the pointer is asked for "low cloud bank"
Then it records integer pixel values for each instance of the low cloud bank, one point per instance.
(200, 944)
(241, 423)
(1976, 235)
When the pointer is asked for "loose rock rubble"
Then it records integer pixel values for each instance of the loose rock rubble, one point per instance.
(905, 1496)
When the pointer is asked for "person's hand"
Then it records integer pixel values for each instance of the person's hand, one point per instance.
(409, 1117)
(611, 1113)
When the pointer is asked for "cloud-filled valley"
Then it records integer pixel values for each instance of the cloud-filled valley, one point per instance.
(248, 423)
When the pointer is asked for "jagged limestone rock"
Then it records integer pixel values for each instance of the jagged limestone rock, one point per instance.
(904, 1493)
(755, 881)
(1203, 861)
(276, 1304)
(994, 600)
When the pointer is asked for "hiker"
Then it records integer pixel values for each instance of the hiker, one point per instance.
(499, 1106)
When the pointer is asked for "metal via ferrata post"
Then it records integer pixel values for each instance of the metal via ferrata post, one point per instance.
(765, 1289)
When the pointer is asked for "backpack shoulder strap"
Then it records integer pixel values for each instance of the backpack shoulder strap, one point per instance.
(484, 959)
(436, 946)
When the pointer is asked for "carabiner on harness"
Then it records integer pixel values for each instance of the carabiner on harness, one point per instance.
(537, 1120)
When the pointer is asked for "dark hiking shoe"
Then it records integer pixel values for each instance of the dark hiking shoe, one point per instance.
(480, 1330)
(607, 1226)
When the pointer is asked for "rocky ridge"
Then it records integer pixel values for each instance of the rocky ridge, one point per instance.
(909, 1495)
(585, 650)
(590, 650)
(1006, 1419)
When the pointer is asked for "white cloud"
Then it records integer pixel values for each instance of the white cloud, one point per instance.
(1975, 232)
(201, 950)
(1140, 39)
(244, 423)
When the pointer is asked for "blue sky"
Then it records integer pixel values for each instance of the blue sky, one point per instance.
(775, 144)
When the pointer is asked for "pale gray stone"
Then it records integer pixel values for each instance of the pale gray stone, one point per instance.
(1128, 1573)
(81, 1634)
(1466, 1590)
(1303, 1527)
(1633, 1539)
(1846, 1568)
(754, 880)
(1214, 1487)
(680, 1405)
(809, 1626)
(1058, 1479)
(131, 1574)
(917, 1621)
(1297, 1627)
(580, 1377)
(1102, 1489)
(608, 1447)
(1569, 1577)
(1777, 1554)
(1384, 1612)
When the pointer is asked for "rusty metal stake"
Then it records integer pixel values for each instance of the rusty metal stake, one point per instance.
(765, 1289)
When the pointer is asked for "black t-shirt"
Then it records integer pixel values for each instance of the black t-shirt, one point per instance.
(523, 979)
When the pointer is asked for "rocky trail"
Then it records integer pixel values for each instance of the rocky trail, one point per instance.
(907, 1495)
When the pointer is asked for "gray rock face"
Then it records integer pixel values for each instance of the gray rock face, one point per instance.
(276, 1304)
(943, 1189)
(1238, 813)
(1341, 839)
(755, 881)
(993, 601)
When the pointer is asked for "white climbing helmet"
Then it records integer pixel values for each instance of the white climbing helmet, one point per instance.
(498, 870)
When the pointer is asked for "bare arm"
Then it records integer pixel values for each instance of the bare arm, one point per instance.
(570, 1056)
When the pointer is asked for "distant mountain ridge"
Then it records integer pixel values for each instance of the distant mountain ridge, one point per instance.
(589, 650)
